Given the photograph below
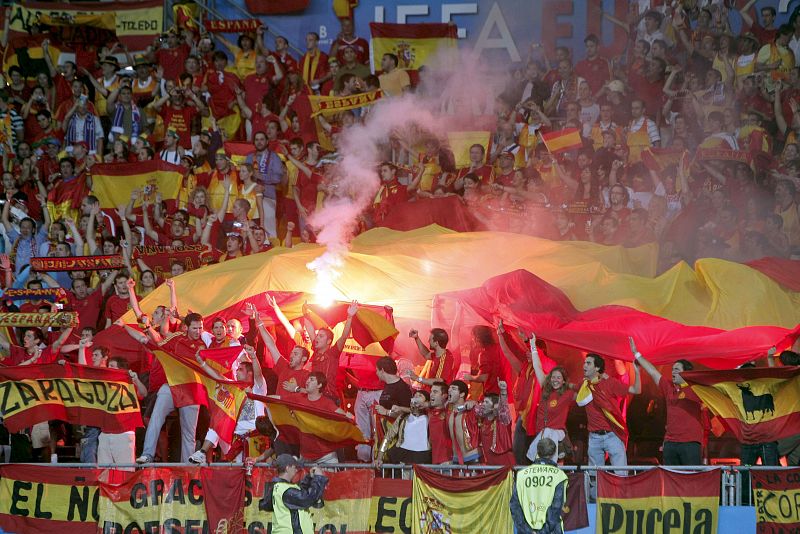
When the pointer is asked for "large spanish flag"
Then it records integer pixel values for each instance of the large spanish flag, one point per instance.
(658, 500)
(48, 500)
(191, 384)
(78, 394)
(112, 184)
(298, 422)
(562, 140)
(413, 44)
(757, 405)
(443, 503)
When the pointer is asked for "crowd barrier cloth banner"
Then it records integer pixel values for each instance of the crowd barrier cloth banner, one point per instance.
(77, 263)
(347, 503)
(78, 394)
(777, 494)
(658, 500)
(48, 500)
(155, 500)
(39, 320)
(390, 508)
(575, 512)
(137, 23)
(757, 405)
(479, 503)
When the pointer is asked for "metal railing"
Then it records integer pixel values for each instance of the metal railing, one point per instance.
(735, 487)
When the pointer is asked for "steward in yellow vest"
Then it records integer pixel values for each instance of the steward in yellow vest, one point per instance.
(290, 502)
(539, 494)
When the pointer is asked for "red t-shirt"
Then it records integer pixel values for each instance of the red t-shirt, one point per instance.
(181, 121)
(172, 60)
(287, 374)
(256, 86)
(88, 308)
(491, 362)
(116, 307)
(439, 436)
(496, 442)
(606, 395)
(595, 71)
(328, 364)
(308, 189)
(444, 367)
(359, 45)
(552, 412)
(684, 419)
(17, 355)
(259, 121)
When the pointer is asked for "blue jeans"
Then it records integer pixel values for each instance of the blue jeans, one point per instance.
(162, 408)
(599, 445)
(89, 445)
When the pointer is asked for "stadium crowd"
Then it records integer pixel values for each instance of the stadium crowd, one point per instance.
(689, 139)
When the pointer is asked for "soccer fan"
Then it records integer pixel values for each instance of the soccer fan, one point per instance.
(406, 441)
(440, 364)
(462, 425)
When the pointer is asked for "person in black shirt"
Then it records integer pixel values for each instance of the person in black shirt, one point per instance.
(396, 393)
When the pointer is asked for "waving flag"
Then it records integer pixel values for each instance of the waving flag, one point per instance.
(112, 184)
(658, 159)
(371, 324)
(757, 404)
(443, 503)
(78, 394)
(318, 430)
(413, 44)
(562, 140)
(191, 384)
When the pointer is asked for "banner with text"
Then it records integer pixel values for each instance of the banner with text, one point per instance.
(658, 500)
(777, 495)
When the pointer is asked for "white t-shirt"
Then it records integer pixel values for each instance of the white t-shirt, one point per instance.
(415, 435)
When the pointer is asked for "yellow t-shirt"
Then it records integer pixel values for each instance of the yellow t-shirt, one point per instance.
(393, 83)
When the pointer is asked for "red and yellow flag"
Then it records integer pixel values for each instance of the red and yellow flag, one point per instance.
(316, 431)
(48, 500)
(775, 494)
(65, 198)
(657, 159)
(658, 500)
(238, 152)
(113, 184)
(191, 384)
(562, 140)
(443, 503)
(413, 44)
(78, 394)
(334, 104)
(371, 324)
(757, 405)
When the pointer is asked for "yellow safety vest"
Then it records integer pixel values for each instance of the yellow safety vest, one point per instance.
(536, 486)
(282, 516)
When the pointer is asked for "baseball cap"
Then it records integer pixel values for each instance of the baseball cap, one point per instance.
(286, 460)
(616, 86)
(173, 133)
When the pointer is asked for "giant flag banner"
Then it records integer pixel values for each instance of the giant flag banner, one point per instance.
(191, 384)
(347, 500)
(657, 500)
(757, 405)
(307, 426)
(776, 496)
(113, 184)
(442, 503)
(413, 44)
(78, 394)
(48, 500)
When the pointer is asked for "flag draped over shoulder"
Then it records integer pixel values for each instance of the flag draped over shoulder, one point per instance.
(371, 324)
(78, 394)
(191, 384)
(413, 44)
(112, 184)
(298, 421)
(658, 500)
(757, 404)
(562, 140)
(479, 504)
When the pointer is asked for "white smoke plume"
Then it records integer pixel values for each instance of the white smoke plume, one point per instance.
(451, 88)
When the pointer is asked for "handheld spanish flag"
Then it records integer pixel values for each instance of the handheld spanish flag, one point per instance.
(562, 140)
(191, 384)
(371, 324)
(64, 200)
(658, 159)
(113, 183)
(442, 503)
(318, 432)
(413, 44)
(238, 152)
(756, 404)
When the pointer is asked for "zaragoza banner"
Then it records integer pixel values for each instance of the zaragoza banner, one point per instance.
(347, 500)
(48, 500)
(657, 501)
(777, 495)
(478, 504)
(78, 394)
(757, 405)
